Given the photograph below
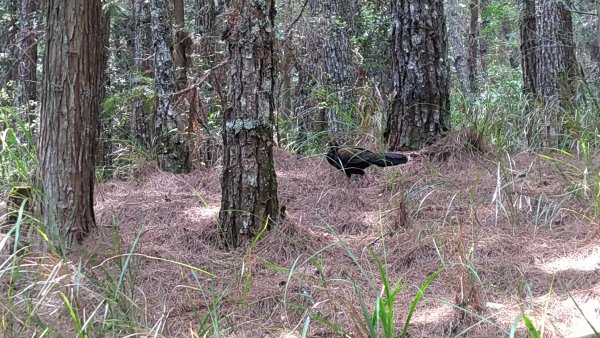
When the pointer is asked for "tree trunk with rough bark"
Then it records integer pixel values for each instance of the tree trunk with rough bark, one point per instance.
(182, 42)
(527, 28)
(27, 80)
(210, 24)
(334, 25)
(249, 186)
(556, 64)
(8, 44)
(171, 147)
(420, 109)
(457, 46)
(473, 47)
(484, 44)
(287, 63)
(142, 50)
(205, 24)
(71, 92)
(597, 56)
(286, 78)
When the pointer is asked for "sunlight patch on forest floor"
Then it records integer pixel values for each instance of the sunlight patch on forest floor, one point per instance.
(585, 259)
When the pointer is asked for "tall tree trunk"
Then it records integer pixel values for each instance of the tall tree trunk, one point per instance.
(182, 45)
(172, 151)
(311, 119)
(141, 55)
(420, 108)
(249, 185)
(287, 63)
(104, 149)
(556, 64)
(473, 47)
(527, 28)
(334, 28)
(210, 25)
(598, 43)
(286, 78)
(8, 37)
(483, 42)
(456, 43)
(27, 80)
(72, 87)
(205, 24)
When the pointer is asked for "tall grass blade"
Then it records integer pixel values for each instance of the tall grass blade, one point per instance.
(305, 329)
(126, 264)
(74, 316)
(530, 327)
(417, 298)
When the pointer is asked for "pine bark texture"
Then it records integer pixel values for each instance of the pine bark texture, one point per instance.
(457, 45)
(420, 107)
(484, 44)
(249, 185)
(172, 151)
(287, 63)
(335, 28)
(527, 28)
(597, 56)
(206, 16)
(333, 24)
(324, 95)
(311, 118)
(556, 66)
(8, 44)
(209, 26)
(182, 43)
(142, 45)
(27, 80)
(72, 88)
(473, 47)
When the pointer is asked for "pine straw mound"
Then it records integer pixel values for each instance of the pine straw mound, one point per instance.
(502, 249)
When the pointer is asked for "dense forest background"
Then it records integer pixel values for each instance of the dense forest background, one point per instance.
(162, 168)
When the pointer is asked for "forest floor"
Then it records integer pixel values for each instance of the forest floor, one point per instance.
(510, 232)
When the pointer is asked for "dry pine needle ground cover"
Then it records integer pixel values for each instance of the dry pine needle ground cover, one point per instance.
(508, 231)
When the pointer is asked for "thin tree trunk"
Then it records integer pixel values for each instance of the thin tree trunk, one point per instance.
(286, 79)
(310, 117)
(27, 80)
(598, 43)
(172, 151)
(249, 186)
(72, 87)
(141, 59)
(527, 28)
(8, 37)
(182, 45)
(205, 28)
(483, 43)
(473, 47)
(457, 44)
(287, 63)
